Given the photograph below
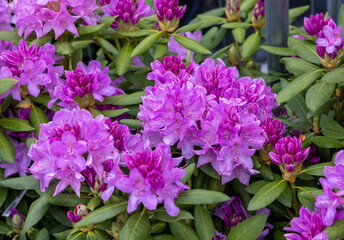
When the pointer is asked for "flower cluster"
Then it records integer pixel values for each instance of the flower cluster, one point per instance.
(210, 107)
(232, 213)
(67, 145)
(289, 156)
(315, 23)
(5, 16)
(83, 86)
(128, 12)
(232, 10)
(153, 178)
(175, 47)
(169, 14)
(332, 199)
(59, 16)
(31, 66)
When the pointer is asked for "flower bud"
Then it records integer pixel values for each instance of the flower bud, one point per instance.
(79, 212)
(258, 18)
(232, 10)
(17, 220)
(168, 14)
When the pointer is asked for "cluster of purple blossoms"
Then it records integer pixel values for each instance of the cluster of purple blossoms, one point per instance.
(79, 212)
(207, 106)
(258, 15)
(232, 213)
(42, 16)
(175, 47)
(31, 66)
(169, 14)
(69, 144)
(315, 23)
(153, 178)
(232, 10)
(289, 156)
(128, 12)
(332, 199)
(21, 161)
(83, 86)
(5, 16)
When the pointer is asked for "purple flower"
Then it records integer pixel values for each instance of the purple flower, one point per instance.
(175, 47)
(83, 86)
(309, 226)
(59, 16)
(17, 220)
(153, 178)
(128, 13)
(67, 145)
(5, 16)
(32, 66)
(232, 212)
(330, 39)
(232, 10)
(169, 14)
(315, 23)
(258, 19)
(21, 161)
(273, 130)
(289, 155)
(79, 212)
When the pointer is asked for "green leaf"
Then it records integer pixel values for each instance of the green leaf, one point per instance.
(330, 128)
(6, 149)
(114, 113)
(326, 142)
(298, 66)
(334, 76)
(200, 196)
(286, 197)
(161, 215)
(136, 33)
(37, 210)
(93, 203)
(124, 59)
(341, 16)
(190, 27)
(304, 49)
(63, 47)
(43, 234)
(298, 11)
(29, 142)
(251, 45)
(298, 105)
(37, 117)
(7, 84)
(300, 123)
(158, 227)
(247, 5)
(188, 172)
(311, 194)
(250, 229)
(317, 169)
(191, 44)
(124, 99)
(136, 228)
(132, 123)
(77, 236)
(96, 235)
(93, 30)
(307, 202)
(9, 36)
(3, 195)
(204, 225)
(160, 50)
(4, 228)
(336, 231)
(163, 237)
(210, 171)
(236, 25)
(297, 85)
(239, 34)
(62, 235)
(77, 45)
(103, 213)
(16, 124)
(266, 195)
(68, 200)
(146, 44)
(182, 231)
(107, 46)
(21, 183)
(318, 95)
(279, 51)
(254, 187)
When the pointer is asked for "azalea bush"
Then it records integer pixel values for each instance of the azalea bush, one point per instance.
(118, 123)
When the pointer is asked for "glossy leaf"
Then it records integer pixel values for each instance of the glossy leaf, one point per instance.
(251, 45)
(7, 84)
(317, 169)
(236, 25)
(191, 45)
(114, 113)
(43, 234)
(210, 171)
(124, 59)
(279, 51)
(286, 197)
(132, 123)
(146, 44)
(6, 149)
(336, 231)
(318, 95)
(160, 51)
(266, 195)
(182, 231)
(190, 27)
(239, 34)
(330, 128)
(250, 229)
(103, 213)
(200, 196)
(298, 66)
(68, 200)
(304, 49)
(161, 215)
(108, 46)
(136, 228)
(204, 224)
(334, 76)
(163, 237)
(37, 117)
(16, 124)
(21, 183)
(136, 33)
(188, 172)
(326, 142)
(124, 99)
(254, 187)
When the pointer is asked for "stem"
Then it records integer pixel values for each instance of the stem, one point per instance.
(294, 203)
(316, 123)
(118, 45)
